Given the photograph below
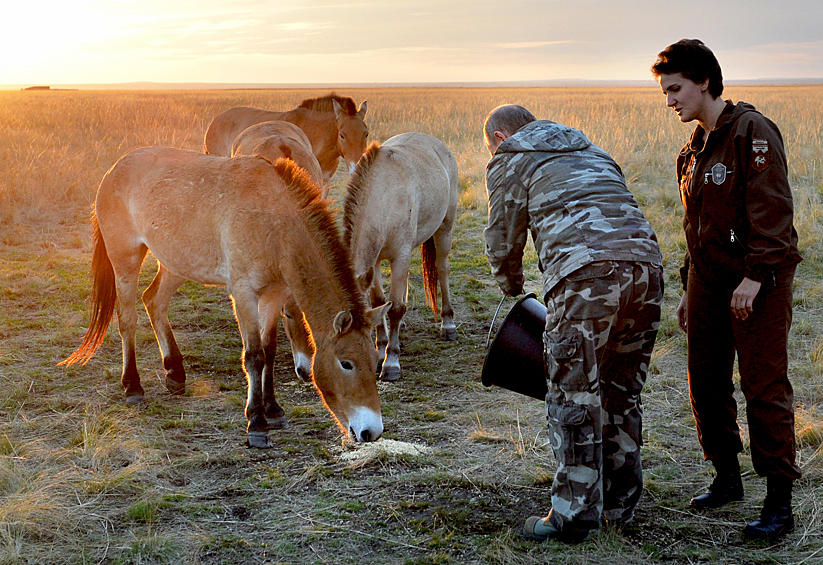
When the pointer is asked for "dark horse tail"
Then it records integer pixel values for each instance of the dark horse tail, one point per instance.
(102, 301)
(428, 255)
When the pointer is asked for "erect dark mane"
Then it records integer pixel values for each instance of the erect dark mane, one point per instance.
(357, 190)
(324, 104)
(321, 222)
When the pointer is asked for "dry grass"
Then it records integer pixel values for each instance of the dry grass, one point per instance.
(84, 479)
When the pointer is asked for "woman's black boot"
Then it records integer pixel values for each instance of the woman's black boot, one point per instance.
(726, 487)
(776, 518)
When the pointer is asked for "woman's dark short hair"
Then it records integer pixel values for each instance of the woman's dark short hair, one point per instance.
(692, 59)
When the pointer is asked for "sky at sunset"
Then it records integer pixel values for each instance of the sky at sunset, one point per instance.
(47, 42)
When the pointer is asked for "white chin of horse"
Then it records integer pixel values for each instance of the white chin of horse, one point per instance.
(351, 167)
(365, 425)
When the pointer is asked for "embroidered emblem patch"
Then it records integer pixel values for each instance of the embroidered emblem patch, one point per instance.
(719, 174)
(760, 154)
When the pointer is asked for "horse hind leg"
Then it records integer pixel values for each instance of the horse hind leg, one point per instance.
(126, 266)
(442, 245)
(156, 299)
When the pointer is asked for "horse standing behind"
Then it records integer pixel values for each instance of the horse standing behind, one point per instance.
(273, 140)
(260, 229)
(401, 195)
(333, 124)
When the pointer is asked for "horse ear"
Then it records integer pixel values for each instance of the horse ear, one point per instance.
(364, 281)
(361, 113)
(338, 110)
(342, 322)
(376, 315)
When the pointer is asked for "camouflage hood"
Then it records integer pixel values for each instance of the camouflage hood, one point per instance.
(545, 136)
(550, 180)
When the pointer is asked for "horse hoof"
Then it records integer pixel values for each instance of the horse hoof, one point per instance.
(136, 400)
(390, 374)
(449, 334)
(259, 440)
(278, 423)
(174, 387)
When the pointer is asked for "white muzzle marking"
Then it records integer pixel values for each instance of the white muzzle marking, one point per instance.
(365, 424)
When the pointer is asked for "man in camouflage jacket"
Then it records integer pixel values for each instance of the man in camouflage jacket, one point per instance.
(603, 289)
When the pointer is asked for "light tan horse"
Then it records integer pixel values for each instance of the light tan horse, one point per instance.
(402, 195)
(260, 229)
(333, 124)
(273, 140)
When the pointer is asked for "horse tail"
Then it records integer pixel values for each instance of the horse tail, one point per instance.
(102, 301)
(428, 255)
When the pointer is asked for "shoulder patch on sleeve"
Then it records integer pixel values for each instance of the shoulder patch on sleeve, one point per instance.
(760, 154)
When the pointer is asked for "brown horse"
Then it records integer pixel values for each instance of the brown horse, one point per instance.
(333, 124)
(260, 229)
(402, 195)
(273, 140)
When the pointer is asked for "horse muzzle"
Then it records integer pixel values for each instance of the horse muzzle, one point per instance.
(365, 425)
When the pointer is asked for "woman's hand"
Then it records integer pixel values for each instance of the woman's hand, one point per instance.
(743, 298)
(681, 311)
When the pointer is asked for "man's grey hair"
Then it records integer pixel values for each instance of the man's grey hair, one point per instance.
(507, 118)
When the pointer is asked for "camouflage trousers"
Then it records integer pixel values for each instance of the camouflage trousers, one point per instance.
(601, 326)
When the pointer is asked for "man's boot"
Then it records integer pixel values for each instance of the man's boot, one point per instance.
(776, 518)
(726, 487)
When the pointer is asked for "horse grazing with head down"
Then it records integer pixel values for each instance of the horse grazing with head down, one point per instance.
(333, 124)
(263, 231)
(275, 140)
(402, 194)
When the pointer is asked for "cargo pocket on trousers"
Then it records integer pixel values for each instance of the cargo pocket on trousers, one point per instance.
(563, 357)
(572, 433)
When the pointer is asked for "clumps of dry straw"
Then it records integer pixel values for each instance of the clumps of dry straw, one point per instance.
(382, 450)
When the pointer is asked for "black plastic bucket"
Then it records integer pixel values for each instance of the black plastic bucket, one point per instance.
(515, 359)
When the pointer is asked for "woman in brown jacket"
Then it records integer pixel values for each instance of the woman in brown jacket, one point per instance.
(737, 279)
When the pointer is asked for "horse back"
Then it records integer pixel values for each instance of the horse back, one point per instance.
(226, 126)
(201, 216)
(423, 174)
(275, 139)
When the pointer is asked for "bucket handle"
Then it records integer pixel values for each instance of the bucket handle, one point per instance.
(491, 327)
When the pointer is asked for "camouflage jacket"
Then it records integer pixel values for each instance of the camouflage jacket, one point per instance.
(551, 180)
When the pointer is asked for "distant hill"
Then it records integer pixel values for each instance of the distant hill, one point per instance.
(331, 86)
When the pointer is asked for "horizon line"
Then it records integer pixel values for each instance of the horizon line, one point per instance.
(157, 85)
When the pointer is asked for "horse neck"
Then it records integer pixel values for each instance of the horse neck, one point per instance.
(309, 274)
(368, 232)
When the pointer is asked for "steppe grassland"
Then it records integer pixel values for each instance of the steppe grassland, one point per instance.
(83, 479)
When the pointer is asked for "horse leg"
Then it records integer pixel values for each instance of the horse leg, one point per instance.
(156, 299)
(126, 264)
(398, 290)
(269, 314)
(297, 331)
(442, 245)
(245, 303)
(377, 298)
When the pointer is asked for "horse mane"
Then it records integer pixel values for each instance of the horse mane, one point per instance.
(324, 104)
(320, 220)
(357, 191)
